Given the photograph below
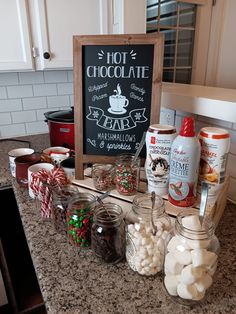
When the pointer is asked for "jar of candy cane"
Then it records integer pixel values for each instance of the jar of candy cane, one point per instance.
(146, 234)
(191, 258)
(127, 174)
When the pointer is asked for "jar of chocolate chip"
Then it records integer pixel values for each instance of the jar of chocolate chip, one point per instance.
(108, 233)
(80, 218)
(61, 198)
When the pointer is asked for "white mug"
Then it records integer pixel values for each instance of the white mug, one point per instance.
(68, 166)
(34, 169)
(16, 153)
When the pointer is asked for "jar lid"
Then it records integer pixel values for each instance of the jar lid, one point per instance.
(161, 129)
(216, 133)
(60, 115)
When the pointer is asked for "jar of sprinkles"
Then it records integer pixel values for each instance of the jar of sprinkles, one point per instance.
(80, 218)
(127, 174)
(103, 176)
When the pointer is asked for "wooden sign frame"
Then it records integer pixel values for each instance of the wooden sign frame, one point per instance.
(157, 41)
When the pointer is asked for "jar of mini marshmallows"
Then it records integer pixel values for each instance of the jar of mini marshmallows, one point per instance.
(147, 234)
(191, 258)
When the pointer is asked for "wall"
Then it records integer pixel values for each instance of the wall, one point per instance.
(25, 96)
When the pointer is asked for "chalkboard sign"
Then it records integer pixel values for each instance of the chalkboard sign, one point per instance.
(117, 83)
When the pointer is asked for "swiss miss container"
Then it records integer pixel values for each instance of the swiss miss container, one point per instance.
(215, 144)
(147, 231)
(191, 259)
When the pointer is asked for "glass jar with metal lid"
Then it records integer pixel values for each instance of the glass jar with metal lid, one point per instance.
(108, 233)
(146, 234)
(191, 258)
(80, 218)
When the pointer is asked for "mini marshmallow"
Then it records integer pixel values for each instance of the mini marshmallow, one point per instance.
(190, 274)
(199, 296)
(171, 283)
(171, 265)
(183, 258)
(211, 269)
(204, 283)
(192, 222)
(187, 291)
(203, 257)
(176, 243)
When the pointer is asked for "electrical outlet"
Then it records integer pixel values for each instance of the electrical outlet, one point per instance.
(167, 116)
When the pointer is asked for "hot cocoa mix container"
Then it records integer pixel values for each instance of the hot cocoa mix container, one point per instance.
(215, 144)
(159, 138)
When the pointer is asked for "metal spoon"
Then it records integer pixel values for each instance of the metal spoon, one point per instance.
(153, 199)
(204, 194)
(140, 147)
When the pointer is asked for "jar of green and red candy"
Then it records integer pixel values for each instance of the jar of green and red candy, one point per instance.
(127, 174)
(80, 218)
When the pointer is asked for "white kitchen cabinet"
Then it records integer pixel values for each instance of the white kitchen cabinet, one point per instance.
(15, 49)
(29, 29)
(37, 34)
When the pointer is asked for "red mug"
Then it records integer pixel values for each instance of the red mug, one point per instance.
(22, 165)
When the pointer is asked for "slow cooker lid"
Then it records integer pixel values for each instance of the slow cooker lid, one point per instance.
(60, 115)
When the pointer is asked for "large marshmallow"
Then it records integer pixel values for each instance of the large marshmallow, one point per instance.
(183, 258)
(171, 265)
(192, 222)
(203, 283)
(203, 257)
(198, 243)
(171, 282)
(187, 291)
(190, 274)
(176, 243)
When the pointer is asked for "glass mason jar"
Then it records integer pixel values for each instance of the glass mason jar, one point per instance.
(191, 258)
(147, 234)
(103, 176)
(80, 218)
(127, 174)
(60, 200)
(108, 233)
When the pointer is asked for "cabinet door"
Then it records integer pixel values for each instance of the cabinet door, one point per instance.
(15, 52)
(58, 21)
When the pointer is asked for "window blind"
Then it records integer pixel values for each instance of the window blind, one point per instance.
(176, 20)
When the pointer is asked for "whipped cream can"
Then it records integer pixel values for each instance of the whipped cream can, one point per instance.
(159, 138)
(215, 144)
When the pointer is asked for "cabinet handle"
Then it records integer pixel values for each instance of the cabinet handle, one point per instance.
(46, 55)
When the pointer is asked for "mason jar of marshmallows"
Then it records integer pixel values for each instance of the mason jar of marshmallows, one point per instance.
(191, 258)
(147, 234)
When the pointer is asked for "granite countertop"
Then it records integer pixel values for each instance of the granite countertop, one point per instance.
(74, 281)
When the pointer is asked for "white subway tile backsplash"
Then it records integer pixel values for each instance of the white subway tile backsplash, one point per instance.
(3, 93)
(36, 127)
(45, 89)
(72, 100)
(70, 76)
(31, 77)
(19, 91)
(65, 88)
(8, 105)
(23, 116)
(34, 103)
(40, 114)
(55, 76)
(12, 130)
(7, 79)
(216, 122)
(5, 118)
(58, 101)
